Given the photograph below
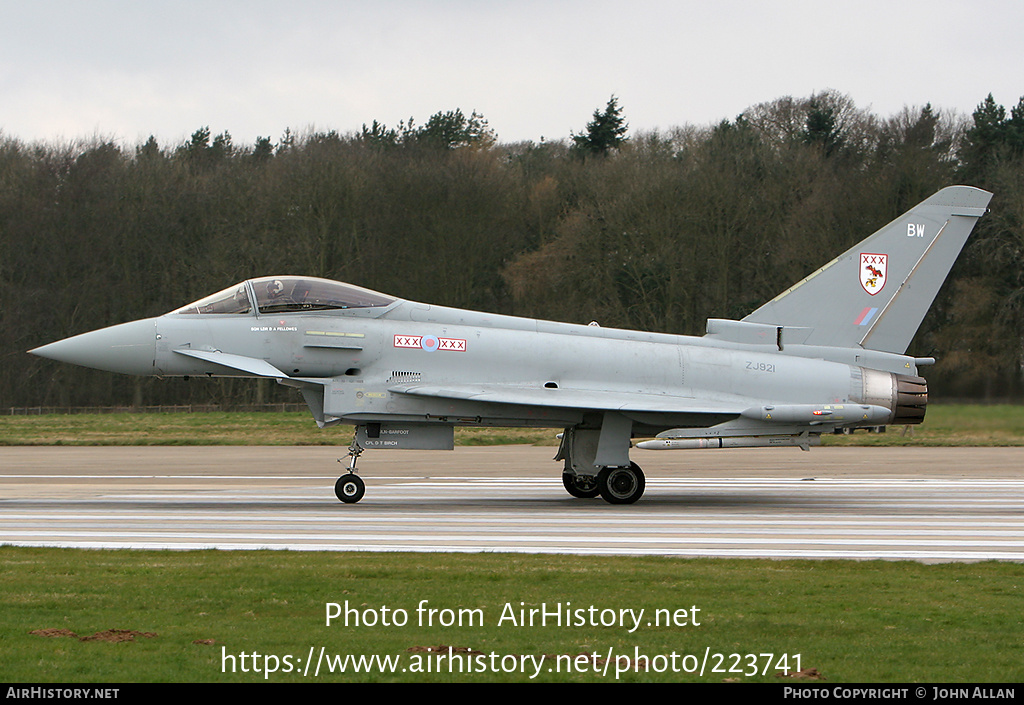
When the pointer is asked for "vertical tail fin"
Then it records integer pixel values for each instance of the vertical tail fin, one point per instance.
(876, 294)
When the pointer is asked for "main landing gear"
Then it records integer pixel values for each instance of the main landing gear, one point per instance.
(621, 485)
(580, 486)
(615, 485)
(349, 487)
(596, 461)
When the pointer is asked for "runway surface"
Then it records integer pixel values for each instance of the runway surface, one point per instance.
(926, 504)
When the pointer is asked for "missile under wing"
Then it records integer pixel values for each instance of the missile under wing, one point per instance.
(828, 353)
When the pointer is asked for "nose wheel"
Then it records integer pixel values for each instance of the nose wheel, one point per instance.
(350, 488)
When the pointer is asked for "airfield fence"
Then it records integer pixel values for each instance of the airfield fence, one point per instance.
(159, 409)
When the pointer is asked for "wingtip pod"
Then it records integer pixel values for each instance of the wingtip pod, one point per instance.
(876, 294)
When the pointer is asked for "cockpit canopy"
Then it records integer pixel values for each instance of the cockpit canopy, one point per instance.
(287, 295)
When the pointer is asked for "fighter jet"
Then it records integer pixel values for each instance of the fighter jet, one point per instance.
(828, 353)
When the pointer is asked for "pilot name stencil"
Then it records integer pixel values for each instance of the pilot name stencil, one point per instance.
(273, 329)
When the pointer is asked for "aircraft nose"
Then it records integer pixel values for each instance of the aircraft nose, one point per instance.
(128, 348)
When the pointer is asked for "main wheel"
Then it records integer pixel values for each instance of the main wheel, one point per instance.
(582, 486)
(349, 488)
(621, 485)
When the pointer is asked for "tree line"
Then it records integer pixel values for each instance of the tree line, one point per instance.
(656, 230)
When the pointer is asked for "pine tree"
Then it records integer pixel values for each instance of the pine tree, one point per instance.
(822, 127)
(984, 142)
(604, 133)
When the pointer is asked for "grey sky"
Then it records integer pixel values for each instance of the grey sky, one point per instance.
(76, 68)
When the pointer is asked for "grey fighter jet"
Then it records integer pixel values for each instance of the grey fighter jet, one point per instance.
(828, 353)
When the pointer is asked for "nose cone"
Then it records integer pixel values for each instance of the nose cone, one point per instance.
(128, 348)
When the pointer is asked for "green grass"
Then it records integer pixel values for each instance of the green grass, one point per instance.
(215, 428)
(852, 621)
(950, 425)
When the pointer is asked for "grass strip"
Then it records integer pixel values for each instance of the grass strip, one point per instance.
(214, 428)
(945, 425)
(850, 621)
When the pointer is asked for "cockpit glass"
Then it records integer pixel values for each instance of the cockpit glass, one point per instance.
(234, 299)
(288, 294)
(295, 294)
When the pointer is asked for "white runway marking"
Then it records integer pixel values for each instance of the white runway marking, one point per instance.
(241, 504)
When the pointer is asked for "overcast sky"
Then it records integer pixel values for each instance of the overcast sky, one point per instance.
(122, 69)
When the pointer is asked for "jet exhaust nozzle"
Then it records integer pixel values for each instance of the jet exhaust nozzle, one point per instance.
(911, 400)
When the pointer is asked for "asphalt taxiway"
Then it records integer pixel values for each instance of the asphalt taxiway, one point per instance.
(927, 504)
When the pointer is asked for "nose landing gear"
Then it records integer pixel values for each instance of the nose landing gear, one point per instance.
(350, 488)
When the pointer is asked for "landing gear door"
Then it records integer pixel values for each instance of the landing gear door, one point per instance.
(409, 436)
